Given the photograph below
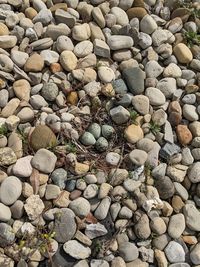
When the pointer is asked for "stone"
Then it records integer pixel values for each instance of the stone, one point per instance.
(136, 12)
(3, 29)
(34, 63)
(91, 191)
(49, 57)
(148, 24)
(22, 89)
(5, 213)
(42, 137)
(175, 252)
(44, 16)
(183, 53)
(117, 42)
(98, 17)
(88, 139)
(102, 210)
(65, 225)
(49, 91)
(195, 254)
(184, 135)
(10, 108)
(141, 104)
(138, 157)
(80, 206)
(167, 86)
(192, 216)
(81, 32)
(10, 190)
(101, 48)
(156, 97)
(189, 112)
(7, 235)
(64, 43)
(59, 177)
(141, 227)
(65, 17)
(34, 207)
(193, 172)
(172, 70)
(22, 167)
(6, 63)
(176, 226)
(76, 250)
(128, 251)
(52, 191)
(68, 60)
(133, 133)
(3, 98)
(106, 74)
(44, 160)
(7, 156)
(120, 115)
(121, 16)
(153, 69)
(134, 78)
(83, 48)
(95, 230)
(118, 176)
(165, 187)
(8, 41)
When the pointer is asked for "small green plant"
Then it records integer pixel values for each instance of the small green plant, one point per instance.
(3, 130)
(133, 116)
(70, 147)
(193, 10)
(191, 38)
(154, 128)
(147, 170)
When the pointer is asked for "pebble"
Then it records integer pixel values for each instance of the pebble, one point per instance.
(103, 208)
(117, 42)
(44, 161)
(22, 167)
(10, 190)
(80, 206)
(5, 213)
(192, 216)
(128, 251)
(34, 207)
(156, 97)
(133, 133)
(134, 78)
(120, 115)
(7, 235)
(176, 226)
(175, 252)
(76, 249)
(65, 225)
(34, 63)
(183, 53)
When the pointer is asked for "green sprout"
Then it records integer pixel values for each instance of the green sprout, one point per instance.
(70, 147)
(3, 130)
(154, 128)
(191, 38)
(133, 116)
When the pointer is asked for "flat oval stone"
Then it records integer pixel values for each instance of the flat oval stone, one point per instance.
(10, 190)
(42, 137)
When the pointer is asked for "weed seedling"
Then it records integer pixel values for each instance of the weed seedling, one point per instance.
(154, 128)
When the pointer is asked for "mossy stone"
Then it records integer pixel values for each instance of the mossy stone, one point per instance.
(101, 144)
(107, 131)
(42, 137)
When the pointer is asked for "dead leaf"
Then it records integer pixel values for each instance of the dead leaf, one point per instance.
(34, 180)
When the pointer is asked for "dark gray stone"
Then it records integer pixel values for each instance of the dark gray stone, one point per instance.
(168, 150)
(165, 187)
(65, 225)
(120, 87)
(134, 78)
